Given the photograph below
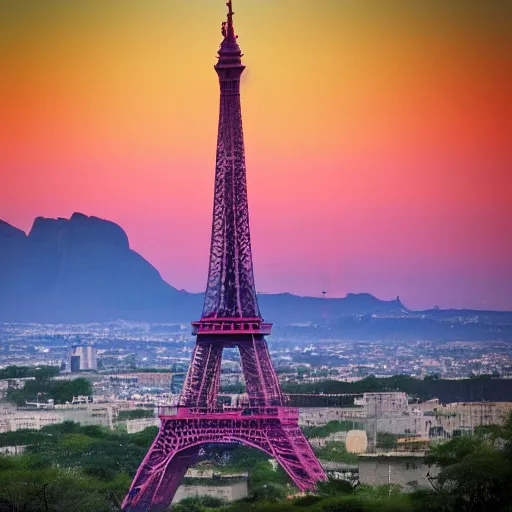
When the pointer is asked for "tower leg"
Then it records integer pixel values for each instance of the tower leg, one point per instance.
(160, 474)
(201, 385)
(178, 443)
(295, 455)
(260, 378)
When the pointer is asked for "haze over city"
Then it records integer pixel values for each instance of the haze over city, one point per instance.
(377, 140)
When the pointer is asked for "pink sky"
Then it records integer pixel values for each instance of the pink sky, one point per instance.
(378, 148)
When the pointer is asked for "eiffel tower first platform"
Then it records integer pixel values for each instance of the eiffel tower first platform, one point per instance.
(231, 318)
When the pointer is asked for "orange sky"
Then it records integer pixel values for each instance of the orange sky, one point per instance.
(378, 137)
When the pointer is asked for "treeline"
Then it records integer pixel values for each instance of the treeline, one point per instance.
(88, 468)
(70, 467)
(331, 428)
(311, 400)
(43, 386)
(136, 414)
(21, 372)
(464, 390)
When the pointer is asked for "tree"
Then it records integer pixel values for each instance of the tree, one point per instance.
(25, 490)
(475, 471)
(386, 440)
(43, 387)
(336, 451)
(69, 467)
(334, 487)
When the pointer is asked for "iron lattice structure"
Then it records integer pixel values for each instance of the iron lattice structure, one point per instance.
(230, 318)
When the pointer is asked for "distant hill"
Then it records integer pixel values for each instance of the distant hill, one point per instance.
(79, 269)
(82, 269)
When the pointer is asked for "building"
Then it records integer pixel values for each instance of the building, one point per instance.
(83, 357)
(12, 419)
(341, 471)
(380, 404)
(460, 418)
(139, 424)
(33, 419)
(390, 412)
(143, 379)
(398, 425)
(318, 416)
(12, 450)
(226, 487)
(75, 364)
(406, 469)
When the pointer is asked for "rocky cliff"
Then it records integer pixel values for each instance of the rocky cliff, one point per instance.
(78, 269)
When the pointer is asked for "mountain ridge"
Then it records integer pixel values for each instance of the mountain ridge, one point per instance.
(82, 269)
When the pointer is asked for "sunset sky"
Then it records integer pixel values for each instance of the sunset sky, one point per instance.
(378, 137)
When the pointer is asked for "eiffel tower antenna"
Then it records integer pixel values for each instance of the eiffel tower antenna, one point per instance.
(231, 30)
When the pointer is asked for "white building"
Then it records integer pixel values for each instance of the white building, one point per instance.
(380, 404)
(407, 469)
(84, 357)
(227, 487)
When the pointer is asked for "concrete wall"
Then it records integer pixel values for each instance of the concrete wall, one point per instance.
(378, 404)
(409, 471)
(319, 442)
(140, 424)
(88, 414)
(34, 420)
(150, 379)
(341, 471)
(400, 425)
(229, 492)
(418, 419)
(470, 415)
(12, 419)
(12, 450)
(318, 416)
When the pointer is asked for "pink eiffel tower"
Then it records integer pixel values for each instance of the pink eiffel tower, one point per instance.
(231, 318)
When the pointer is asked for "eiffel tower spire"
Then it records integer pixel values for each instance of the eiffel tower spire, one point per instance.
(230, 30)
(229, 47)
(230, 291)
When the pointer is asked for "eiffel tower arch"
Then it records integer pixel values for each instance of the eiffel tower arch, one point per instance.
(231, 318)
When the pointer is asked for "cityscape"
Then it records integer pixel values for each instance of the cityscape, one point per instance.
(120, 391)
(131, 373)
(122, 345)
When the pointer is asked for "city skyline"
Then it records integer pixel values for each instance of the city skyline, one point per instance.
(391, 181)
